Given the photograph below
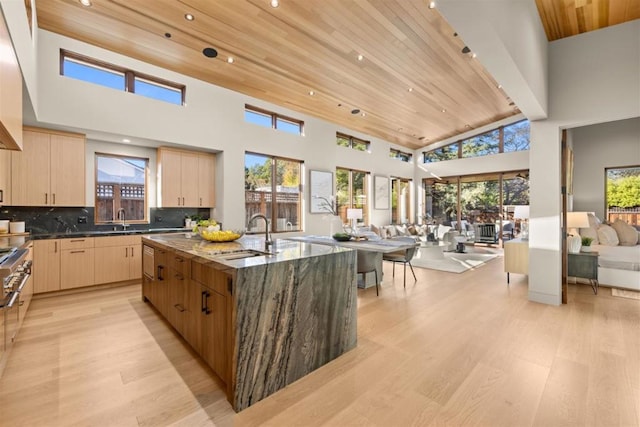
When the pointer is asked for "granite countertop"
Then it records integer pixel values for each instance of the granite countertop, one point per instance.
(101, 233)
(214, 252)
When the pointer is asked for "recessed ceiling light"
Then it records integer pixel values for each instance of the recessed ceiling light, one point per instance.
(209, 52)
(126, 140)
(466, 50)
(311, 93)
(85, 3)
(167, 35)
(189, 17)
(443, 110)
(499, 86)
(467, 125)
(432, 4)
(473, 55)
(275, 3)
(364, 114)
(230, 60)
(410, 89)
(360, 57)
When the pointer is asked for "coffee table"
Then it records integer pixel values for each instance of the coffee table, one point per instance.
(431, 250)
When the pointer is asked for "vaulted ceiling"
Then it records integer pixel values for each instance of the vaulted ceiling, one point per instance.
(397, 63)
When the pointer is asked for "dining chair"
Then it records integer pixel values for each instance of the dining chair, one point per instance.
(366, 261)
(404, 256)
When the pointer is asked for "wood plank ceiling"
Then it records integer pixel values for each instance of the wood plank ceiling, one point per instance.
(565, 18)
(414, 85)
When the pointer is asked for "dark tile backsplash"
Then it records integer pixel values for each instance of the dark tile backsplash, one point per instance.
(45, 220)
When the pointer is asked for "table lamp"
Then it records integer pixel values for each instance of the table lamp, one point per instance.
(575, 220)
(522, 212)
(354, 215)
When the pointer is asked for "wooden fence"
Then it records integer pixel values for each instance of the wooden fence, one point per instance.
(287, 209)
(628, 215)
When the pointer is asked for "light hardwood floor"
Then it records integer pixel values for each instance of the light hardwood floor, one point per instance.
(451, 349)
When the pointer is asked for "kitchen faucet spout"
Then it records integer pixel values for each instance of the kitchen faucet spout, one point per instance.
(267, 238)
(121, 215)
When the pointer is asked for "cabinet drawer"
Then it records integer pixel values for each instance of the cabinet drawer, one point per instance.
(178, 263)
(209, 277)
(79, 243)
(107, 241)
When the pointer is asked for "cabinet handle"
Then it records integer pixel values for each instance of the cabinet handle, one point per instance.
(178, 201)
(200, 201)
(54, 198)
(76, 240)
(77, 252)
(46, 198)
(180, 308)
(126, 252)
(55, 247)
(183, 201)
(160, 271)
(205, 302)
(230, 285)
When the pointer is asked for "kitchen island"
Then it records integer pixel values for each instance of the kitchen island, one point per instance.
(260, 321)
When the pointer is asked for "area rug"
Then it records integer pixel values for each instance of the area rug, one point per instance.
(454, 262)
(622, 293)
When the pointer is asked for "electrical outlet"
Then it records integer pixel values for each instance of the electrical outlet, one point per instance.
(82, 220)
(158, 219)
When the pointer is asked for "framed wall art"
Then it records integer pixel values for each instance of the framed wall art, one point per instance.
(320, 192)
(381, 192)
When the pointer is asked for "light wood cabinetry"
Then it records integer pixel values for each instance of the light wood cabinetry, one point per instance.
(76, 263)
(117, 258)
(516, 257)
(187, 178)
(5, 177)
(11, 90)
(50, 171)
(214, 321)
(46, 265)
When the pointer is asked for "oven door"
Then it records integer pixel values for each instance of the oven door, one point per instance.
(11, 317)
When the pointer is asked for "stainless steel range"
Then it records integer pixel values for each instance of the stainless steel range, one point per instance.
(15, 271)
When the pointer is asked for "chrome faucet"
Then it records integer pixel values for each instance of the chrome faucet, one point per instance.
(267, 238)
(121, 215)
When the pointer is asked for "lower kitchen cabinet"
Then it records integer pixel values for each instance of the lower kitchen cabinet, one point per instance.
(213, 319)
(118, 259)
(76, 263)
(46, 265)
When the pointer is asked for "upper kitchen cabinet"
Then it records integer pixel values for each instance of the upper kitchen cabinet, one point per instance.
(50, 170)
(5, 177)
(10, 92)
(186, 178)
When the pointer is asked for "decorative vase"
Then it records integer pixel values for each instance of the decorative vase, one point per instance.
(585, 249)
(335, 225)
(573, 244)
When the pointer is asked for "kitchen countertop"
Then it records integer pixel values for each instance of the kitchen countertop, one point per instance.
(101, 233)
(281, 250)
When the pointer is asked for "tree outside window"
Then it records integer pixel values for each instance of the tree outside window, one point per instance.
(623, 194)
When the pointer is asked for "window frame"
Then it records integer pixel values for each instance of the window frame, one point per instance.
(366, 207)
(396, 183)
(353, 142)
(631, 215)
(403, 156)
(275, 117)
(273, 191)
(145, 219)
(129, 75)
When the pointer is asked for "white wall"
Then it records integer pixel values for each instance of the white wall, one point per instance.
(596, 147)
(212, 120)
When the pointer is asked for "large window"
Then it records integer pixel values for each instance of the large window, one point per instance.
(352, 191)
(623, 194)
(269, 119)
(400, 155)
(401, 207)
(272, 188)
(120, 189)
(504, 139)
(467, 202)
(101, 73)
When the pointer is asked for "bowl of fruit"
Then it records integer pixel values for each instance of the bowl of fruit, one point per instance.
(210, 230)
(342, 237)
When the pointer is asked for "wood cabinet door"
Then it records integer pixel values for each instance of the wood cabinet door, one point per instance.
(177, 288)
(46, 265)
(206, 180)
(135, 261)
(111, 264)
(214, 331)
(161, 285)
(189, 179)
(5, 177)
(67, 170)
(30, 171)
(76, 268)
(170, 170)
(11, 90)
(194, 302)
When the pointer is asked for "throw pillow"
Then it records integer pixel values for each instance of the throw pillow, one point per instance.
(627, 235)
(376, 230)
(391, 231)
(607, 236)
(402, 230)
(592, 231)
(412, 230)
